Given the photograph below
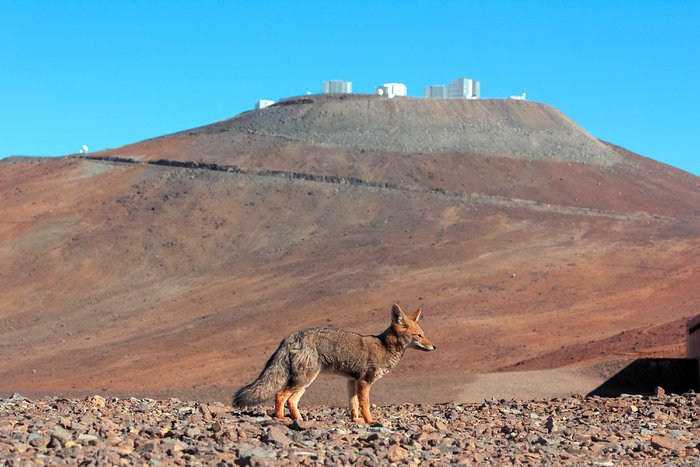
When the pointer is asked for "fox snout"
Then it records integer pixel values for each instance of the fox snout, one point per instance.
(425, 346)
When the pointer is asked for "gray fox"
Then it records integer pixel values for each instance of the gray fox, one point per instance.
(302, 355)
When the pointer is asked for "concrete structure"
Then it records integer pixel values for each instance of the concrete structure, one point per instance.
(692, 340)
(391, 89)
(464, 88)
(337, 87)
(262, 103)
(436, 91)
(522, 97)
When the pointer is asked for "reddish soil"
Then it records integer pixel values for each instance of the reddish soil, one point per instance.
(143, 279)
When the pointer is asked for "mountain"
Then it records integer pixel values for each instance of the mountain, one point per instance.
(175, 265)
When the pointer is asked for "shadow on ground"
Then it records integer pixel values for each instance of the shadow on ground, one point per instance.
(642, 376)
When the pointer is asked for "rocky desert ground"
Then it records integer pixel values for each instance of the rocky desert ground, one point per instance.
(657, 430)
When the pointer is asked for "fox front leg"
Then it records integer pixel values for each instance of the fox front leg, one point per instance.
(354, 401)
(363, 399)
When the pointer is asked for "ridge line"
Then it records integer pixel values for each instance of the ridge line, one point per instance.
(477, 198)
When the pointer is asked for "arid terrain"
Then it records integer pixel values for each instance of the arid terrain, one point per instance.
(543, 259)
(649, 431)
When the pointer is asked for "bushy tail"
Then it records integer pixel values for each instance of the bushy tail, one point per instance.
(272, 378)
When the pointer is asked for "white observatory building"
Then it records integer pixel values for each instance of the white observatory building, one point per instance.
(263, 103)
(464, 88)
(337, 87)
(391, 90)
(436, 91)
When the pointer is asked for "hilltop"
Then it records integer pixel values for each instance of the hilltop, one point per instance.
(510, 148)
(174, 266)
(496, 127)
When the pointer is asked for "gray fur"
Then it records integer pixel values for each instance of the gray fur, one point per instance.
(273, 377)
(303, 354)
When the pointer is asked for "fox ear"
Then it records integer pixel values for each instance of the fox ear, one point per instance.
(415, 316)
(397, 316)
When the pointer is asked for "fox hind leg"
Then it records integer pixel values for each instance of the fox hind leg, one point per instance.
(280, 399)
(296, 395)
(292, 404)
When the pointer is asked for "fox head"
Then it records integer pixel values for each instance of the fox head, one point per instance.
(406, 327)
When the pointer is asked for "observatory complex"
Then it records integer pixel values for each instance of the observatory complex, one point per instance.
(459, 88)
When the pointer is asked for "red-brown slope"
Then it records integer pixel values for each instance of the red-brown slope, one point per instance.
(147, 278)
(133, 278)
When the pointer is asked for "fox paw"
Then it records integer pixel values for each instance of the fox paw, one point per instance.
(362, 420)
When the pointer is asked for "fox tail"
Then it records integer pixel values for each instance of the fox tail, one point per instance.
(272, 378)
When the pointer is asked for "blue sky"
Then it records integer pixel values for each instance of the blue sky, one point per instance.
(111, 73)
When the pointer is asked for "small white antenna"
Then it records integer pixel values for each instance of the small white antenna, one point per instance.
(84, 149)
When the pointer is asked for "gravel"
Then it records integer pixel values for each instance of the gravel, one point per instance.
(492, 127)
(629, 430)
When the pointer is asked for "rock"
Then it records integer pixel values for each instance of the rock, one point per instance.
(37, 441)
(192, 432)
(396, 454)
(659, 391)
(124, 450)
(171, 447)
(277, 435)
(249, 454)
(299, 425)
(427, 428)
(666, 442)
(61, 433)
(543, 441)
(206, 412)
(55, 443)
(441, 426)
(369, 453)
(97, 401)
(551, 425)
